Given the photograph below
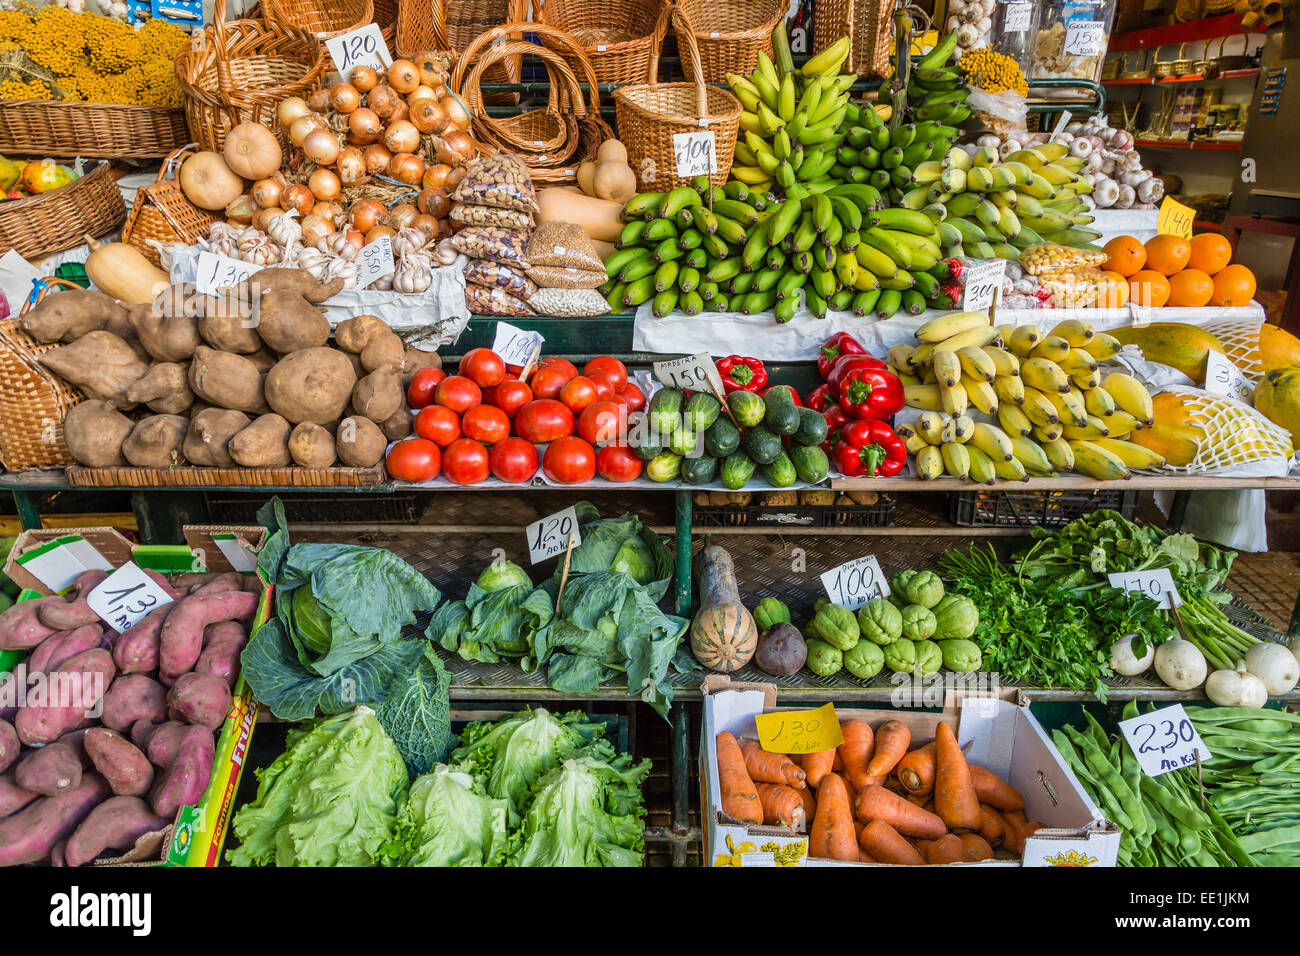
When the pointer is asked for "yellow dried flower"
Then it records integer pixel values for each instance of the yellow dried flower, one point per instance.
(112, 45)
(56, 40)
(14, 25)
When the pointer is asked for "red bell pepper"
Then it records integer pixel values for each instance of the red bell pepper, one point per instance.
(841, 343)
(869, 449)
(793, 394)
(741, 373)
(845, 363)
(871, 393)
(835, 420)
(820, 397)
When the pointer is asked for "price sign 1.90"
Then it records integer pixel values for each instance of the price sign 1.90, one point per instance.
(1157, 584)
(799, 731)
(1164, 740)
(856, 582)
(696, 154)
(363, 46)
(694, 372)
(514, 345)
(550, 536)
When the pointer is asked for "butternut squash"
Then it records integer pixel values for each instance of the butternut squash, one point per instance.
(598, 218)
(122, 272)
(1176, 344)
(723, 634)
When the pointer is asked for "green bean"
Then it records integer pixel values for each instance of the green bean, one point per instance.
(1264, 839)
(1187, 815)
(1096, 760)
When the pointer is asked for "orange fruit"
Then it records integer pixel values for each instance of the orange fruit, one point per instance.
(1125, 255)
(1168, 254)
(1190, 289)
(1115, 295)
(1234, 285)
(1149, 288)
(1210, 252)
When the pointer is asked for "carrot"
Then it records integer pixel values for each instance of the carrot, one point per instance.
(769, 767)
(1015, 818)
(929, 805)
(916, 799)
(859, 744)
(848, 785)
(887, 845)
(954, 796)
(946, 849)
(865, 857)
(781, 804)
(891, 783)
(739, 798)
(922, 846)
(809, 803)
(994, 791)
(1018, 834)
(817, 765)
(992, 826)
(975, 848)
(877, 803)
(838, 765)
(916, 770)
(832, 829)
(891, 746)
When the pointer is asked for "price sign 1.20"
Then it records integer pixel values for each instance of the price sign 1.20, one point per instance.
(799, 731)
(364, 46)
(856, 582)
(550, 536)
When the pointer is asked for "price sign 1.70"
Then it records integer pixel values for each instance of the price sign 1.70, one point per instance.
(1157, 584)
(856, 582)
(550, 536)
(1164, 740)
(364, 46)
(126, 596)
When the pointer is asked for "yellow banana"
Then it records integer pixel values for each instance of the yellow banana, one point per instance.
(1013, 420)
(1060, 454)
(1075, 331)
(1095, 428)
(981, 395)
(1004, 362)
(1130, 395)
(977, 363)
(947, 367)
(1039, 408)
(1097, 401)
(956, 459)
(1031, 455)
(1022, 339)
(954, 399)
(896, 357)
(1103, 347)
(1047, 433)
(1097, 462)
(1131, 454)
(929, 462)
(1069, 407)
(946, 326)
(907, 378)
(1010, 388)
(1010, 470)
(930, 425)
(1044, 375)
(981, 467)
(1051, 347)
(923, 396)
(991, 440)
(1077, 361)
(958, 429)
(915, 443)
(1120, 422)
(1084, 381)
(973, 337)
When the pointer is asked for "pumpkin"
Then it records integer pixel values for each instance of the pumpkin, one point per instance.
(208, 182)
(252, 151)
(121, 271)
(723, 634)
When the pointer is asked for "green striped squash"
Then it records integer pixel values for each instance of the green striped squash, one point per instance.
(723, 634)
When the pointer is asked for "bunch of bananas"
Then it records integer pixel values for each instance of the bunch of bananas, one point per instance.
(1055, 408)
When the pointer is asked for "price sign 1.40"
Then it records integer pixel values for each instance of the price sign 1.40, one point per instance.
(550, 536)
(856, 582)
(1164, 740)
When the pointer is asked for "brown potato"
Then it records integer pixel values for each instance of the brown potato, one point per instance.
(155, 441)
(94, 432)
(378, 395)
(165, 389)
(262, 444)
(360, 442)
(399, 424)
(384, 351)
(288, 322)
(311, 446)
(354, 334)
(226, 380)
(312, 385)
(415, 359)
(208, 438)
(100, 364)
(67, 316)
(166, 338)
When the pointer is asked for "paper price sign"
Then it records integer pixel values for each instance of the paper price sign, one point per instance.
(1083, 37)
(856, 582)
(1175, 219)
(515, 346)
(1156, 584)
(799, 731)
(1163, 740)
(982, 282)
(126, 596)
(215, 272)
(1060, 125)
(1222, 377)
(1016, 17)
(550, 536)
(363, 46)
(694, 372)
(374, 261)
(696, 154)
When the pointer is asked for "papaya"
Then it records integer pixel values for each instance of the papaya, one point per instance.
(1277, 396)
(1278, 348)
(1175, 434)
(1176, 344)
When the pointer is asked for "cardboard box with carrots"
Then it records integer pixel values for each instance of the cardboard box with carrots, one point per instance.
(978, 785)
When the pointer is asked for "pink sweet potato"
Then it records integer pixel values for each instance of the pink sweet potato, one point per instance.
(202, 699)
(222, 644)
(76, 739)
(142, 730)
(132, 697)
(136, 651)
(57, 648)
(119, 762)
(9, 745)
(165, 741)
(182, 633)
(161, 580)
(31, 834)
(113, 825)
(59, 855)
(185, 779)
(21, 627)
(74, 612)
(220, 584)
(50, 771)
(13, 797)
(75, 688)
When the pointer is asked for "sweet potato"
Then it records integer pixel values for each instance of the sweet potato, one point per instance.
(208, 439)
(81, 681)
(9, 745)
(165, 583)
(57, 648)
(219, 583)
(413, 360)
(312, 385)
(119, 762)
(229, 326)
(378, 395)
(360, 442)
(263, 444)
(167, 338)
(49, 771)
(21, 627)
(288, 323)
(100, 364)
(384, 351)
(354, 334)
(186, 777)
(311, 446)
(281, 279)
(133, 697)
(75, 612)
(222, 644)
(59, 855)
(69, 315)
(116, 824)
(30, 835)
(13, 797)
(226, 380)
(201, 699)
(156, 441)
(141, 731)
(94, 431)
(165, 741)
(136, 651)
(181, 640)
(165, 389)
(75, 740)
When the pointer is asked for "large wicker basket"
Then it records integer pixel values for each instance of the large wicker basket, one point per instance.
(866, 23)
(650, 114)
(430, 25)
(319, 19)
(238, 71)
(615, 35)
(163, 213)
(33, 400)
(730, 33)
(59, 129)
(37, 226)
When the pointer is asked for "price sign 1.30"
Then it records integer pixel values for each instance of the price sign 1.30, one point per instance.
(1164, 740)
(799, 731)
(126, 596)
(856, 582)
(550, 536)
(1157, 584)
(214, 273)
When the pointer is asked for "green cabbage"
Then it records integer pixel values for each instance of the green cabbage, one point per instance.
(500, 575)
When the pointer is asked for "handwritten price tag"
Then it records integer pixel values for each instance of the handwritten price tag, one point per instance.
(215, 272)
(856, 582)
(696, 154)
(1156, 584)
(1060, 125)
(126, 596)
(1016, 17)
(515, 346)
(363, 46)
(982, 281)
(1175, 219)
(550, 536)
(1222, 377)
(1164, 740)
(693, 372)
(374, 261)
(799, 731)
(1083, 37)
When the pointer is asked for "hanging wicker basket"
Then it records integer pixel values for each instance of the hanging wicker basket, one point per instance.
(62, 129)
(729, 34)
(317, 19)
(867, 25)
(615, 35)
(162, 212)
(38, 226)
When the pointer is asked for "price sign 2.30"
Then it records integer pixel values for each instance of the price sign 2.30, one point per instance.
(1164, 740)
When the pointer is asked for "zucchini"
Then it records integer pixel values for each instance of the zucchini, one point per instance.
(686, 441)
(812, 428)
(762, 445)
(722, 438)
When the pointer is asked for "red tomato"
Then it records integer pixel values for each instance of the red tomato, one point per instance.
(438, 424)
(510, 396)
(514, 460)
(609, 366)
(466, 461)
(569, 461)
(579, 392)
(603, 422)
(544, 420)
(618, 463)
(484, 367)
(606, 386)
(414, 459)
(486, 423)
(458, 393)
(547, 382)
(633, 396)
(420, 392)
(563, 364)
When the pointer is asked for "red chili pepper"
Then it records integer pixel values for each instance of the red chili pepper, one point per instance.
(841, 343)
(741, 373)
(793, 394)
(835, 420)
(842, 365)
(820, 397)
(871, 393)
(869, 449)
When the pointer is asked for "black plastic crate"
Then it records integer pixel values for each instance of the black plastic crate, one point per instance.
(316, 508)
(1034, 509)
(796, 516)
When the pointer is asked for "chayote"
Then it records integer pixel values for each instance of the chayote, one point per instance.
(960, 655)
(929, 658)
(880, 622)
(925, 588)
(900, 656)
(956, 617)
(771, 611)
(823, 659)
(837, 626)
(918, 623)
(864, 660)
(898, 583)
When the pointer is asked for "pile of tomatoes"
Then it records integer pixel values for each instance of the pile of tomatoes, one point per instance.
(484, 422)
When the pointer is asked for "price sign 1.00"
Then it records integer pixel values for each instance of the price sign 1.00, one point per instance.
(856, 582)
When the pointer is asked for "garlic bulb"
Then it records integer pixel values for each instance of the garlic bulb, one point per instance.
(445, 253)
(1151, 190)
(310, 259)
(408, 242)
(1127, 196)
(336, 267)
(338, 244)
(414, 274)
(383, 284)
(285, 230)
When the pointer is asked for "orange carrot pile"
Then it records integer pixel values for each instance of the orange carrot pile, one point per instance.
(739, 797)
(766, 767)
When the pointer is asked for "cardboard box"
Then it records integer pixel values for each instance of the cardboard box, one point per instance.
(45, 561)
(1003, 736)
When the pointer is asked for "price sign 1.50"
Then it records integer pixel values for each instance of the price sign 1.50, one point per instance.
(694, 372)
(1157, 584)
(551, 535)
(856, 582)
(1084, 37)
(1164, 740)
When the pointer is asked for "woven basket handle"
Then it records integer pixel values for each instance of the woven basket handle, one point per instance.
(225, 82)
(682, 27)
(174, 160)
(657, 42)
(43, 288)
(1245, 43)
(438, 21)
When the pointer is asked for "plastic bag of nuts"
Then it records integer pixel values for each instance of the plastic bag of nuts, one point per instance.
(483, 300)
(492, 242)
(501, 180)
(489, 273)
(469, 214)
(1051, 257)
(1085, 287)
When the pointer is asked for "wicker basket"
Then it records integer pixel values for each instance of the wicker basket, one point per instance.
(866, 23)
(161, 211)
(649, 115)
(37, 226)
(121, 130)
(729, 34)
(1128, 15)
(318, 19)
(238, 71)
(426, 25)
(33, 400)
(616, 35)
